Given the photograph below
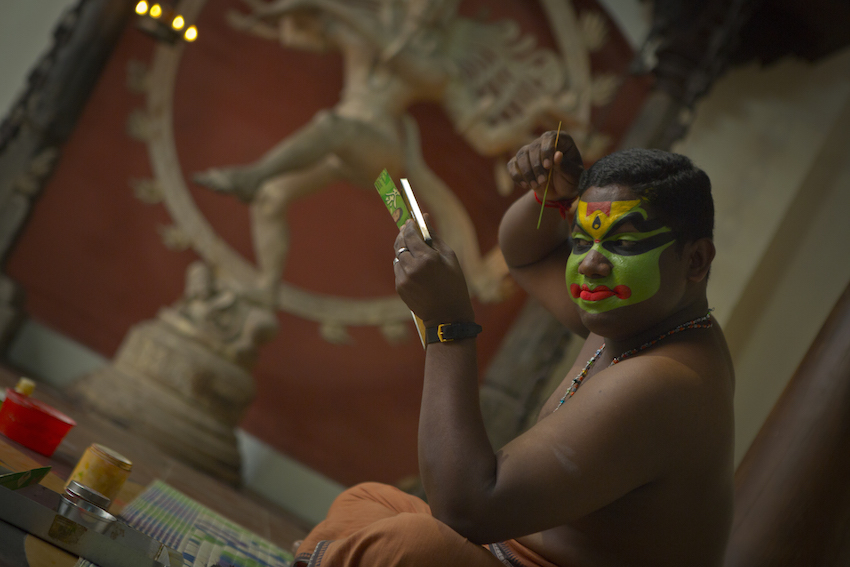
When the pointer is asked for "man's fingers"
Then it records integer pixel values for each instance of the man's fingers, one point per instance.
(571, 164)
(531, 166)
(412, 239)
(520, 167)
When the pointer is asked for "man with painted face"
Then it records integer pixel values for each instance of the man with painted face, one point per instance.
(631, 460)
(644, 424)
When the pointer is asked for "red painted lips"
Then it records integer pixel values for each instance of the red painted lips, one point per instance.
(599, 292)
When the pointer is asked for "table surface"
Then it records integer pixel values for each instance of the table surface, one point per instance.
(149, 463)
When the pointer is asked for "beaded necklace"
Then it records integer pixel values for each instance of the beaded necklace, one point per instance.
(698, 323)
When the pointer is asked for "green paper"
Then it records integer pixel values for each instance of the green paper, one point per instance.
(392, 199)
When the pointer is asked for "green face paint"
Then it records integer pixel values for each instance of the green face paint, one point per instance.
(634, 255)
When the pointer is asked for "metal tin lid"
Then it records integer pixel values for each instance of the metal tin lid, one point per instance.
(83, 492)
(114, 457)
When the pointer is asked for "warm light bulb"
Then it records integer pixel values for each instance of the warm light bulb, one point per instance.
(178, 23)
(142, 8)
(156, 10)
(191, 33)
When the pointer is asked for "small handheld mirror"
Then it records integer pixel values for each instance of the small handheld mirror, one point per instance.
(415, 210)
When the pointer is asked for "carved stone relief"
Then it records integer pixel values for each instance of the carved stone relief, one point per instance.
(494, 83)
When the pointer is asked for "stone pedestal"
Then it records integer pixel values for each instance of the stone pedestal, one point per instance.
(183, 380)
(176, 392)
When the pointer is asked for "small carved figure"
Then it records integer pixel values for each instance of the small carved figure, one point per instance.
(220, 318)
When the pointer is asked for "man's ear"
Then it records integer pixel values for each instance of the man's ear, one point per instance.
(700, 254)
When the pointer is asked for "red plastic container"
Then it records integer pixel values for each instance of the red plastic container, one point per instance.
(32, 423)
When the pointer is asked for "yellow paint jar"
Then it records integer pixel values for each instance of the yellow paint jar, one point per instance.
(101, 469)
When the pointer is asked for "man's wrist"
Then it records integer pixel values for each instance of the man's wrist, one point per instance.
(564, 206)
(450, 332)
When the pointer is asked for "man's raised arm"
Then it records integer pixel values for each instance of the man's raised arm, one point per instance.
(536, 246)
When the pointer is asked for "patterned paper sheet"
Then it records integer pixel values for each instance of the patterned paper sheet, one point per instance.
(203, 537)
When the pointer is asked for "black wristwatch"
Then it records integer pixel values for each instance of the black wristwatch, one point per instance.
(448, 332)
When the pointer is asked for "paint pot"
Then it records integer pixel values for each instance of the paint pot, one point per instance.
(86, 507)
(32, 423)
(102, 470)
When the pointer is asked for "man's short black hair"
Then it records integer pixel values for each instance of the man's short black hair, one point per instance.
(673, 187)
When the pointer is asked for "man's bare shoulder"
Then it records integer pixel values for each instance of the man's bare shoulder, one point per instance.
(671, 391)
(681, 394)
(678, 367)
(679, 362)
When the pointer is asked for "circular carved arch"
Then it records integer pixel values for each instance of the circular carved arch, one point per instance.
(234, 270)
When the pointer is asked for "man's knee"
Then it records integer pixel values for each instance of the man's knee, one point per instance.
(413, 539)
(365, 490)
(358, 494)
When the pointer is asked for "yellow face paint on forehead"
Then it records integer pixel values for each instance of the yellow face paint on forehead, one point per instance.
(596, 217)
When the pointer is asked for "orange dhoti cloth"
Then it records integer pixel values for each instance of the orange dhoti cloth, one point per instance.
(377, 525)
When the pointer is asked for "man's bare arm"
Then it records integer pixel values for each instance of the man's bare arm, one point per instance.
(455, 456)
(535, 246)
(616, 437)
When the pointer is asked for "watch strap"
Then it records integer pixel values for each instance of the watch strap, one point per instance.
(448, 332)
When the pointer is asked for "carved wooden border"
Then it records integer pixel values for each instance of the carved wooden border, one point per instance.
(42, 119)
